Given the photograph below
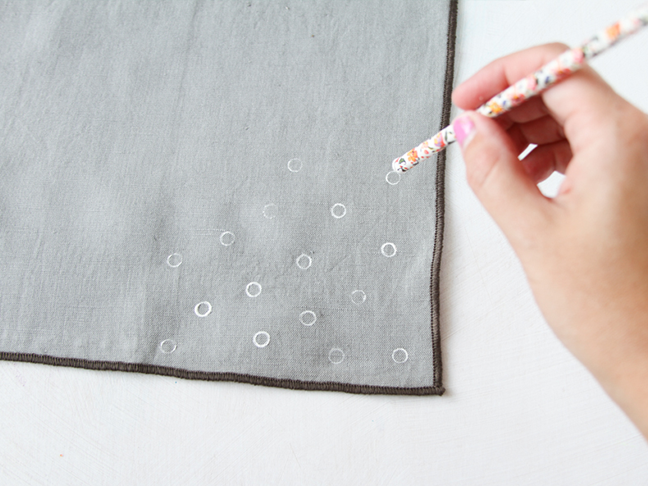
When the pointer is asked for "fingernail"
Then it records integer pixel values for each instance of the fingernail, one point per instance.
(464, 130)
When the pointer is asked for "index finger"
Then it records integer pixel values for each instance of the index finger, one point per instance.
(503, 72)
(584, 98)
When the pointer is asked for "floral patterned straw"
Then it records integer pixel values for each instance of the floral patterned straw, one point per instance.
(567, 63)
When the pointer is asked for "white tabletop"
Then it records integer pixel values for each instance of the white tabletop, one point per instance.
(518, 410)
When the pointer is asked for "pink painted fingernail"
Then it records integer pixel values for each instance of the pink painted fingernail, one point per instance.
(464, 130)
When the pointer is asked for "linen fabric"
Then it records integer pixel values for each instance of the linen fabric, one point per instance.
(202, 189)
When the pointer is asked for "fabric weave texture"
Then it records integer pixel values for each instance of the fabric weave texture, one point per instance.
(202, 189)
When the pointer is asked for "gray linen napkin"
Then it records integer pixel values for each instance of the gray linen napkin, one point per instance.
(201, 189)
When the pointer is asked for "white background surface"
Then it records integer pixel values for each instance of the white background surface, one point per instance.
(518, 410)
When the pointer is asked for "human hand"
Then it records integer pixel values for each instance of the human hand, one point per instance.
(585, 252)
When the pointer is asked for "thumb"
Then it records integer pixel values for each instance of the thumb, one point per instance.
(498, 178)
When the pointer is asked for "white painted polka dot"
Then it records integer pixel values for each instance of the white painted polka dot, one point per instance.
(174, 260)
(203, 308)
(393, 177)
(388, 249)
(399, 355)
(338, 210)
(307, 318)
(270, 211)
(168, 346)
(304, 261)
(253, 289)
(295, 165)
(261, 339)
(227, 238)
(336, 356)
(358, 297)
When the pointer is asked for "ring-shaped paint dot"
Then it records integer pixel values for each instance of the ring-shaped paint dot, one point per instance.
(295, 165)
(261, 339)
(270, 211)
(174, 260)
(388, 249)
(253, 289)
(393, 178)
(338, 210)
(227, 238)
(168, 346)
(307, 318)
(304, 261)
(399, 355)
(358, 297)
(203, 309)
(336, 356)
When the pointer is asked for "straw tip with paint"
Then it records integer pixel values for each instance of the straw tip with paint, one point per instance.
(399, 165)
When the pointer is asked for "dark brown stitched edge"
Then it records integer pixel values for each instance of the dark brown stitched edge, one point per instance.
(436, 389)
(216, 376)
(440, 198)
